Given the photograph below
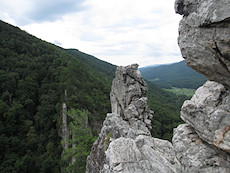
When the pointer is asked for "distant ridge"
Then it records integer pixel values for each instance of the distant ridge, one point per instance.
(155, 65)
(94, 63)
(176, 75)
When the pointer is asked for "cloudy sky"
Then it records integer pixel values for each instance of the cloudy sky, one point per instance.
(121, 32)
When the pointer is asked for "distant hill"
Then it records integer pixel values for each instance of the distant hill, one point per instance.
(155, 65)
(176, 75)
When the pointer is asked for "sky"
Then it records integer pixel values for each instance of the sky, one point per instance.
(121, 32)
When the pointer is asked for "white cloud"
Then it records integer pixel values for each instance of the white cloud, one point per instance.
(117, 31)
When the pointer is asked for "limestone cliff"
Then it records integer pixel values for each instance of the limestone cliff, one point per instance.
(202, 144)
(125, 144)
(204, 37)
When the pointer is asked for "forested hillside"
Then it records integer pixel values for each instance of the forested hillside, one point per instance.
(174, 75)
(94, 63)
(33, 77)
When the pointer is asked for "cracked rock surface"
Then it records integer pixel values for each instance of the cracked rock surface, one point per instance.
(128, 95)
(209, 113)
(125, 144)
(204, 37)
(195, 155)
(203, 144)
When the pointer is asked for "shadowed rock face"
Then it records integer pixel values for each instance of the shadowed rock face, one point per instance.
(204, 37)
(195, 155)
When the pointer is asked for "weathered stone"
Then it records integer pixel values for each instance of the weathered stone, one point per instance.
(208, 112)
(195, 155)
(128, 95)
(129, 148)
(203, 145)
(204, 37)
(144, 154)
(125, 144)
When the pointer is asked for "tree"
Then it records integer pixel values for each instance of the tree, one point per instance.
(81, 141)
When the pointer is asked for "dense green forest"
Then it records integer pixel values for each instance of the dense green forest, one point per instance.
(33, 77)
(101, 66)
(174, 75)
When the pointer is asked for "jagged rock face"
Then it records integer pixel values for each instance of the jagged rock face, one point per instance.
(128, 95)
(208, 112)
(203, 145)
(125, 144)
(124, 148)
(204, 37)
(195, 155)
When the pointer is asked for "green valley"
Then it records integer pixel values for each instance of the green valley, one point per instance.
(177, 75)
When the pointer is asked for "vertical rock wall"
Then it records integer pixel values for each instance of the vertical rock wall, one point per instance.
(203, 144)
(204, 37)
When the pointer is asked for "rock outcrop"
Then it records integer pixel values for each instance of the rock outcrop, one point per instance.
(195, 155)
(125, 144)
(204, 37)
(128, 95)
(209, 114)
(203, 144)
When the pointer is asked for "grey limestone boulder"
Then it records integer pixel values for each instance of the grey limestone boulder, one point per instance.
(203, 144)
(124, 148)
(143, 154)
(204, 37)
(209, 114)
(195, 155)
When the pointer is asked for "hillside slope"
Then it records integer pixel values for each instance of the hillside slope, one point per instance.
(33, 77)
(176, 75)
(100, 66)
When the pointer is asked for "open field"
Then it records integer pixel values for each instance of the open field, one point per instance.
(182, 91)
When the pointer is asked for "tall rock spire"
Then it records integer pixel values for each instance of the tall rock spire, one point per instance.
(125, 144)
(128, 95)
